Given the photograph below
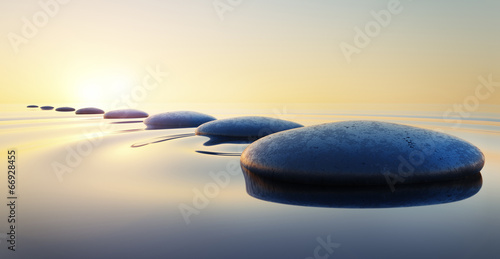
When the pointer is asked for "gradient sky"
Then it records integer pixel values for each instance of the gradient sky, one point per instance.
(281, 51)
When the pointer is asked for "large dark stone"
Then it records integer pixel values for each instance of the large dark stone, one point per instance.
(177, 119)
(245, 127)
(362, 153)
(89, 110)
(124, 114)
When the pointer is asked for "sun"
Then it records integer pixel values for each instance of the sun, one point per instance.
(90, 92)
(103, 89)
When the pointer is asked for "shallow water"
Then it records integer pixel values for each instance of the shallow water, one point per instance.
(94, 188)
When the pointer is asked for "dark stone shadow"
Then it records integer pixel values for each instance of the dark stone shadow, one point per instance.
(160, 127)
(217, 153)
(161, 139)
(217, 140)
(408, 195)
(124, 122)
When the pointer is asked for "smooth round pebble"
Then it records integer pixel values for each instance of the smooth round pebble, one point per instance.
(124, 114)
(177, 119)
(65, 109)
(362, 153)
(89, 110)
(242, 127)
(47, 108)
(32, 106)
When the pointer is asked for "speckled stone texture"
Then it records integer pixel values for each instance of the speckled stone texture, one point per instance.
(362, 153)
(245, 127)
(89, 110)
(177, 119)
(125, 113)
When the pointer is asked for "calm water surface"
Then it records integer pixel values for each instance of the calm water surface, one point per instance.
(93, 188)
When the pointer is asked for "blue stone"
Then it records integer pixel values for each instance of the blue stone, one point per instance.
(362, 153)
(89, 110)
(47, 108)
(124, 114)
(245, 127)
(177, 119)
(65, 109)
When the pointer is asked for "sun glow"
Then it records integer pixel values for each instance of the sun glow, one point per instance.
(103, 89)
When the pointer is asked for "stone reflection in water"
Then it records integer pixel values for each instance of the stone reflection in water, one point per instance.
(217, 140)
(361, 196)
(161, 139)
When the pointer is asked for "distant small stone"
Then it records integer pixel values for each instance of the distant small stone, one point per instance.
(362, 153)
(32, 106)
(177, 119)
(245, 127)
(125, 114)
(89, 110)
(65, 109)
(47, 108)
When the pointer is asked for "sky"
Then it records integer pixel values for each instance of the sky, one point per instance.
(249, 51)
